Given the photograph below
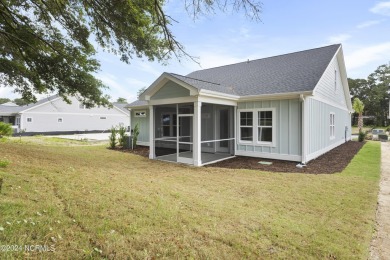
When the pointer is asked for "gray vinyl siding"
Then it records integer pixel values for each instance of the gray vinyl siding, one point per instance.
(45, 117)
(171, 90)
(143, 124)
(287, 124)
(329, 87)
(319, 125)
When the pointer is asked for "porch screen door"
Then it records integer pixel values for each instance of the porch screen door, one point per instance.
(185, 152)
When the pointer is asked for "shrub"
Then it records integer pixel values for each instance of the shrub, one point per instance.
(5, 129)
(122, 135)
(112, 137)
(3, 163)
(135, 135)
(362, 136)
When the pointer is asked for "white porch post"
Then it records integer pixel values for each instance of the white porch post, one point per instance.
(197, 133)
(151, 133)
(235, 130)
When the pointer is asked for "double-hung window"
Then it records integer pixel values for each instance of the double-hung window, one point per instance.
(246, 126)
(264, 126)
(169, 123)
(257, 126)
(331, 126)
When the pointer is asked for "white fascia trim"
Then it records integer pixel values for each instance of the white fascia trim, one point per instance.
(289, 95)
(216, 94)
(44, 103)
(318, 153)
(285, 157)
(172, 100)
(161, 81)
(329, 103)
(217, 100)
(343, 70)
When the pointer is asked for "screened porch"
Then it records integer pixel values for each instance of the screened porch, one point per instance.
(193, 133)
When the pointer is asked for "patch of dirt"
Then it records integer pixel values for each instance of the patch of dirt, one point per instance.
(380, 245)
(331, 162)
(139, 150)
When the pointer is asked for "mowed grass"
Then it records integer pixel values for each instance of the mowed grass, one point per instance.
(91, 202)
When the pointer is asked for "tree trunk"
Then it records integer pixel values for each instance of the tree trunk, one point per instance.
(360, 122)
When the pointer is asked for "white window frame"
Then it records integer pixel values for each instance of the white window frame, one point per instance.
(60, 118)
(273, 126)
(332, 132)
(239, 126)
(171, 125)
(141, 113)
(27, 119)
(255, 127)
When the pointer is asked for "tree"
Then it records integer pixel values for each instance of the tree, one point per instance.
(46, 45)
(21, 102)
(4, 100)
(140, 91)
(121, 100)
(358, 106)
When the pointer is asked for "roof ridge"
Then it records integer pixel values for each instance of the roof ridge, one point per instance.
(337, 44)
(196, 79)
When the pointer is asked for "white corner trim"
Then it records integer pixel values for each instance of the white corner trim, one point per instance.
(318, 153)
(276, 156)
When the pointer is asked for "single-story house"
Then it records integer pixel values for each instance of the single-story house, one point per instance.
(292, 107)
(53, 115)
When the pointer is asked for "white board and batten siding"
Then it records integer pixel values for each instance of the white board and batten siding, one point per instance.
(58, 116)
(329, 98)
(288, 132)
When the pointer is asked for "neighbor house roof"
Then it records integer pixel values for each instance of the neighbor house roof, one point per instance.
(293, 72)
(138, 103)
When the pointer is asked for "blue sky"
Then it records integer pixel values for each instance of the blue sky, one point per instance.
(287, 26)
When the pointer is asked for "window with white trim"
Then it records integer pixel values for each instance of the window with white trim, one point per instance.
(169, 124)
(29, 119)
(331, 126)
(59, 120)
(140, 113)
(264, 126)
(246, 126)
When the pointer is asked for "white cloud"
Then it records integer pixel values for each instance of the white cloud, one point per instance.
(116, 89)
(382, 8)
(368, 24)
(339, 38)
(366, 55)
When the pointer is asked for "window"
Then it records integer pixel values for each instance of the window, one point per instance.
(331, 124)
(59, 120)
(246, 126)
(103, 117)
(140, 113)
(169, 123)
(29, 119)
(264, 126)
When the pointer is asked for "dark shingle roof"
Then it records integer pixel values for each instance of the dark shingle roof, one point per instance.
(293, 72)
(138, 103)
(121, 106)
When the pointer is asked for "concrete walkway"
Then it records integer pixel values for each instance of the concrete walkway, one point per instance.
(380, 245)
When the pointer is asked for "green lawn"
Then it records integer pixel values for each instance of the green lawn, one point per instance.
(90, 202)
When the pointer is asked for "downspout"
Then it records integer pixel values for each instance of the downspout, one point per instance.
(304, 136)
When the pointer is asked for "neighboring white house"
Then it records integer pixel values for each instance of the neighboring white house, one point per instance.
(290, 107)
(53, 115)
